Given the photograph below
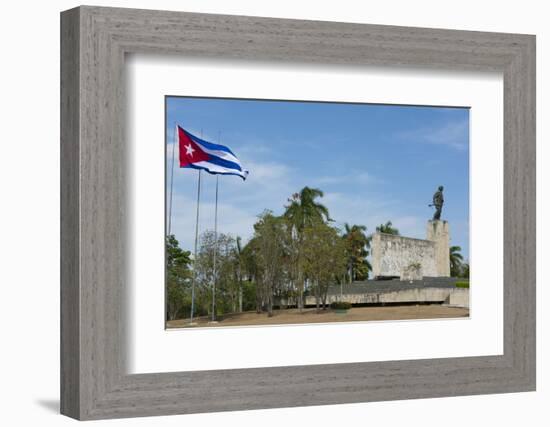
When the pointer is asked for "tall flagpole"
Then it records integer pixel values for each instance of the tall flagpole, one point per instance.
(172, 179)
(215, 246)
(196, 244)
(215, 254)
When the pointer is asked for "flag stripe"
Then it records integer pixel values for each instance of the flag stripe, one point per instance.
(215, 170)
(223, 163)
(211, 148)
(218, 153)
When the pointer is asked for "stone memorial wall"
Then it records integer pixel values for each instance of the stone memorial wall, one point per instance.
(399, 256)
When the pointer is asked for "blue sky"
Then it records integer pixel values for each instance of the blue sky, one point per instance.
(374, 163)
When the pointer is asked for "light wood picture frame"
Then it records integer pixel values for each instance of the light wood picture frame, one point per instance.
(94, 42)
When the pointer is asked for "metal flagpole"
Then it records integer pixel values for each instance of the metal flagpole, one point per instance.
(196, 244)
(215, 247)
(215, 254)
(172, 179)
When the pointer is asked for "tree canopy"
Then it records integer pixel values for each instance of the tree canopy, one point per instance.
(387, 228)
(455, 259)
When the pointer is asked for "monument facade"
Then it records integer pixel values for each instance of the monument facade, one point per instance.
(412, 259)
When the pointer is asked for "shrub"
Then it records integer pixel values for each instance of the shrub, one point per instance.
(340, 305)
(415, 265)
(462, 284)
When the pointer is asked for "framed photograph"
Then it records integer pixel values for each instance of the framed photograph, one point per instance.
(281, 213)
(291, 243)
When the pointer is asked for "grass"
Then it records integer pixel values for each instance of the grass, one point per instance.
(463, 284)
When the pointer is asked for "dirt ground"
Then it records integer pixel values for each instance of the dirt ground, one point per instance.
(355, 314)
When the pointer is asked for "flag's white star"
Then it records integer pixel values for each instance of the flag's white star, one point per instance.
(189, 150)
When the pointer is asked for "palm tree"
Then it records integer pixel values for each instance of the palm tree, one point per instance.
(304, 210)
(357, 243)
(387, 228)
(455, 259)
(465, 271)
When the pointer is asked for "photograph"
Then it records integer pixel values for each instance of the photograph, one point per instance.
(282, 212)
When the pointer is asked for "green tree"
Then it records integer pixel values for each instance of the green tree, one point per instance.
(269, 251)
(465, 271)
(302, 211)
(293, 265)
(227, 282)
(388, 228)
(324, 254)
(251, 273)
(455, 259)
(222, 280)
(357, 244)
(178, 274)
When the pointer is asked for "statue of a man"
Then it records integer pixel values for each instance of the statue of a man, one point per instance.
(438, 203)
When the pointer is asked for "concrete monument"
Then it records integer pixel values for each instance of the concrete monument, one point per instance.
(412, 259)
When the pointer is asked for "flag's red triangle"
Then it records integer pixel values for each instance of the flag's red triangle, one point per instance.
(189, 150)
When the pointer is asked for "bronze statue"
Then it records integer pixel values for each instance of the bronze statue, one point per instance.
(438, 203)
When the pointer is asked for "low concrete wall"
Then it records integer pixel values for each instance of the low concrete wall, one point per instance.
(455, 297)
(449, 295)
(460, 297)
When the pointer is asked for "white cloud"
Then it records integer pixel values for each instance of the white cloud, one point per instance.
(371, 211)
(355, 177)
(454, 134)
(231, 220)
(267, 172)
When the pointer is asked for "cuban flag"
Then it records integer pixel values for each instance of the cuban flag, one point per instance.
(197, 153)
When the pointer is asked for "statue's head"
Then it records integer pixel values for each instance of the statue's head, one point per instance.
(440, 188)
